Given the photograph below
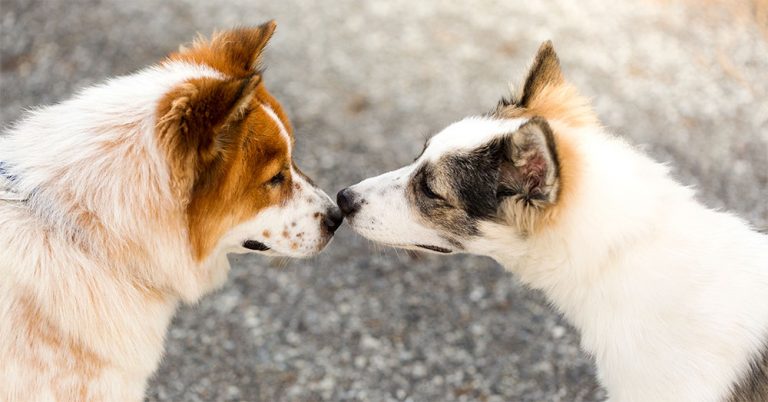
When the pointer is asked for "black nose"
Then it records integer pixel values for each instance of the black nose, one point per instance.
(333, 219)
(347, 202)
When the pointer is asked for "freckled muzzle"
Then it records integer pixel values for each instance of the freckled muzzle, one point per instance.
(300, 227)
(329, 221)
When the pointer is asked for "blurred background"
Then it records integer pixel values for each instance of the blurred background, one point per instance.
(365, 82)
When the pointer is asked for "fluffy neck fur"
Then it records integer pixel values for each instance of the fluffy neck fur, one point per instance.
(662, 289)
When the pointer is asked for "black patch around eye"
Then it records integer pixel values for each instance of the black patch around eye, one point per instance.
(474, 176)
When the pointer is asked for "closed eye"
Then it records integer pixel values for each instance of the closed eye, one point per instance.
(277, 179)
(428, 192)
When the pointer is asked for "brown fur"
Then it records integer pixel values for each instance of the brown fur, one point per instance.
(236, 52)
(74, 364)
(570, 162)
(547, 94)
(221, 140)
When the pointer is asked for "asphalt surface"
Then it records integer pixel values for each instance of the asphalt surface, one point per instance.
(364, 84)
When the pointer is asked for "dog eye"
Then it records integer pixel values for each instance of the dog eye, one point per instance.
(277, 179)
(428, 191)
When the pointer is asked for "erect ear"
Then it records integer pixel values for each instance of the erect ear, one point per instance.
(529, 167)
(199, 119)
(545, 71)
(236, 52)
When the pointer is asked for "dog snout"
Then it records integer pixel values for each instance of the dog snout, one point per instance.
(333, 218)
(347, 201)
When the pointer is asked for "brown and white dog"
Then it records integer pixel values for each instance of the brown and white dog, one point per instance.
(669, 296)
(124, 200)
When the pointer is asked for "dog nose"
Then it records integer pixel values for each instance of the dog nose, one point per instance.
(333, 219)
(345, 199)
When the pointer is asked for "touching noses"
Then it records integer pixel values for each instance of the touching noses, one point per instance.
(332, 219)
(347, 202)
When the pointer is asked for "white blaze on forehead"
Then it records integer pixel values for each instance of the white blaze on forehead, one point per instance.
(305, 185)
(468, 134)
(283, 132)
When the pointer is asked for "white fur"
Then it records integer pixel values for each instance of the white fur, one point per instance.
(669, 295)
(467, 134)
(96, 155)
(283, 132)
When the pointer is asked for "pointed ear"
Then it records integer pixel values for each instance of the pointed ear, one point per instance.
(198, 119)
(529, 169)
(236, 52)
(545, 71)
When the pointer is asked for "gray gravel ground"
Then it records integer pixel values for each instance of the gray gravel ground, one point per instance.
(364, 83)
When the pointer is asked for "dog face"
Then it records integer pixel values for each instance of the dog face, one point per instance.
(230, 145)
(470, 175)
(477, 177)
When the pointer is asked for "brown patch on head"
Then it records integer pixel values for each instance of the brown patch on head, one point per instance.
(227, 155)
(235, 52)
(546, 93)
(266, 234)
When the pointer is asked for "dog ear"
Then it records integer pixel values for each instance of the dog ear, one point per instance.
(236, 52)
(545, 71)
(529, 167)
(199, 118)
(546, 92)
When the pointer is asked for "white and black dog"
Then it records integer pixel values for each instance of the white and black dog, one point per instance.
(670, 296)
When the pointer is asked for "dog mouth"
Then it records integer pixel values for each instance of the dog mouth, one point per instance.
(255, 245)
(434, 248)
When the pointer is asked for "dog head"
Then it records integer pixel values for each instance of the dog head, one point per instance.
(507, 170)
(230, 145)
